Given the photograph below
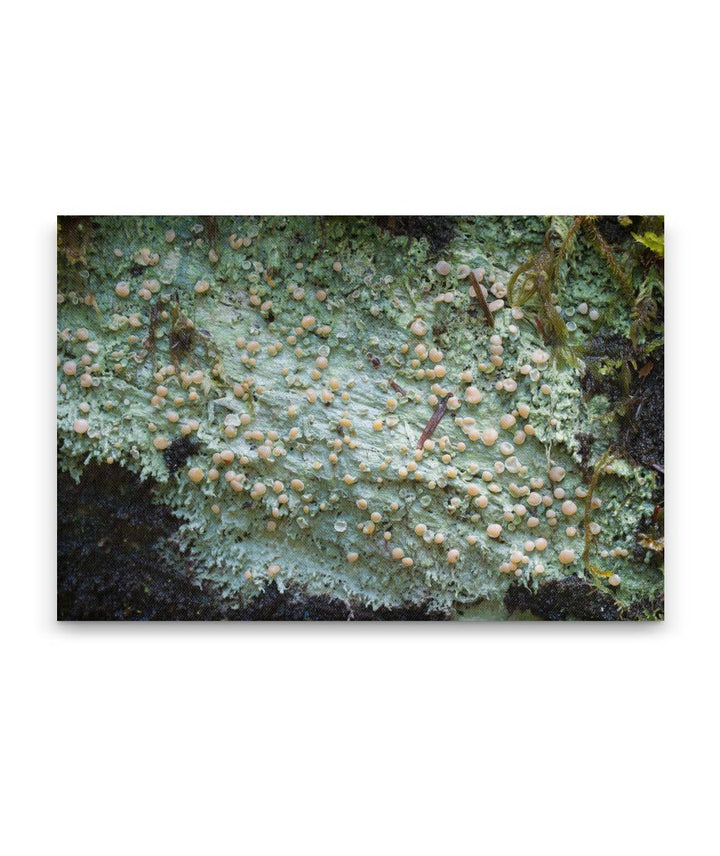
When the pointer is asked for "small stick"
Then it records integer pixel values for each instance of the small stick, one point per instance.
(396, 387)
(481, 298)
(434, 420)
(150, 341)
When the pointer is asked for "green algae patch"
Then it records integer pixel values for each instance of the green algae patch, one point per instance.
(305, 358)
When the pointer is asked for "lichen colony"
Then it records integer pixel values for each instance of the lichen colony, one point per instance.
(390, 411)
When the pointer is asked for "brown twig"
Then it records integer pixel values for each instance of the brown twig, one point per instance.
(211, 229)
(434, 420)
(150, 340)
(481, 298)
(396, 387)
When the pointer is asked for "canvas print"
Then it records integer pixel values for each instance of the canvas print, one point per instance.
(360, 418)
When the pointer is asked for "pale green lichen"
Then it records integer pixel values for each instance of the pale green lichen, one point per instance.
(263, 282)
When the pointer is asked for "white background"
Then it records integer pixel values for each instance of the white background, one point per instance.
(511, 739)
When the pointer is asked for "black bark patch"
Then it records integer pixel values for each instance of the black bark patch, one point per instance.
(439, 231)
(567, 599)
(598, 349)
(641, 434)
(114, 549)
(646, 609)
(179, 451)
(643, 427)
(614, 232)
